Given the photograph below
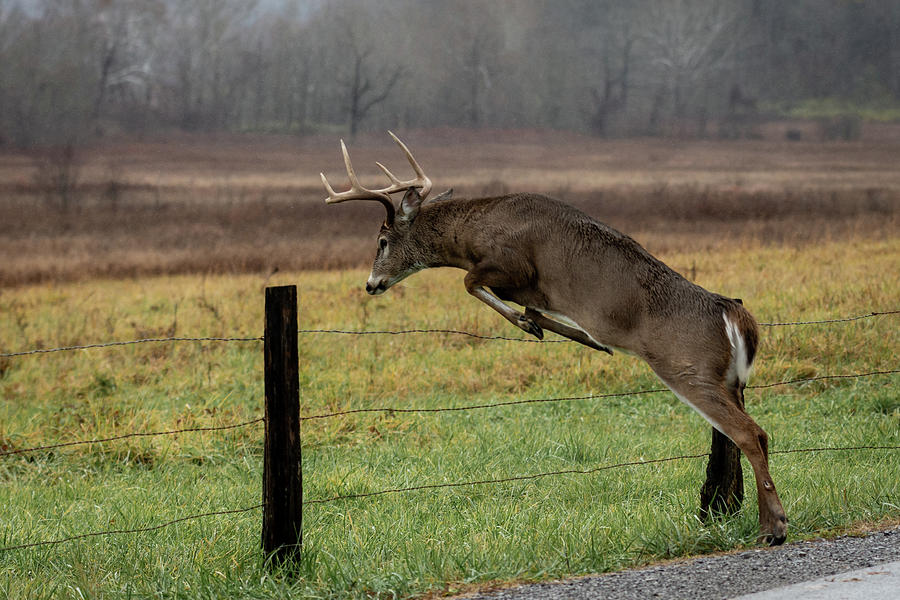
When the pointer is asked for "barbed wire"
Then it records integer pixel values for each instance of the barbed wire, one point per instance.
(130, 343)
(534, 476)
(843, 320)
(132, 435)
(389, 332)
(458, 484)
(130, 531)
(434, 331)
(584, 397)
(514, 478)
(427, 410)
(823, 378)
(535, 341)
(478, 406)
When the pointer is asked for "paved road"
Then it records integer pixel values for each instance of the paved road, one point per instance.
(735, 575)
(878, 581)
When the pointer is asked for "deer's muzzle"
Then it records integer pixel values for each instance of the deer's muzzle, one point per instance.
(376, 286)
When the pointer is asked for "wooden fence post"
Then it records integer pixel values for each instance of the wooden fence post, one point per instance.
(723, 491)
(282, 532)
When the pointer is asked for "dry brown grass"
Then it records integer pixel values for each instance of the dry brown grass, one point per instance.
(238, 204)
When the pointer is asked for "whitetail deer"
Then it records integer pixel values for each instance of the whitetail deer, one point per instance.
(585, 281)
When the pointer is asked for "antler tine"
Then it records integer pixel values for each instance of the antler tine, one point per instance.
(351, 174)
(328, 188)
(394, 180)
(358, 192)
(421, 178)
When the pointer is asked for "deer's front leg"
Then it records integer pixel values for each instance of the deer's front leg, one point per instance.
(477, 289)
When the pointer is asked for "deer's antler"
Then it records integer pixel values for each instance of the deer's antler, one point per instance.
(358, 192)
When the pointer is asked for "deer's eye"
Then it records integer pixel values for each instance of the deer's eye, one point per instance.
(382, 244)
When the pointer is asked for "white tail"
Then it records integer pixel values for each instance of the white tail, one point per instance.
(739, 367)
(586, 281)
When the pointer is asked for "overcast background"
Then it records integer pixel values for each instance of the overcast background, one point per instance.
(75, 69)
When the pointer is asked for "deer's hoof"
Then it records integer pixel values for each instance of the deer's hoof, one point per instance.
(529, 326)
(777, 533)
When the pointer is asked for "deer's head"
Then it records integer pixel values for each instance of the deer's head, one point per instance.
(398, 255)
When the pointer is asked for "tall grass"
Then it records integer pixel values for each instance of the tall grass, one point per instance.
(397, 545)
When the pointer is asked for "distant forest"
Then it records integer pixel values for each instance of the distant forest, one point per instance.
(71, 70)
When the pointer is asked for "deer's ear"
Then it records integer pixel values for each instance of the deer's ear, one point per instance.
(442, 196)
(409, 206)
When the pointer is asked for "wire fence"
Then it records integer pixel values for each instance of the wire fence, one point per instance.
(585, 397)
(470, 334)
(124, 436)
(398, 410)
(129, 343)
(494, 481)
(436, 486)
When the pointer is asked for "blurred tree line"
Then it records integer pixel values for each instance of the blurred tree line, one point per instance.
(71, 69)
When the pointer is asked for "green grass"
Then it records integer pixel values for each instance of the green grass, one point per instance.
(885, 109)
(431, 540)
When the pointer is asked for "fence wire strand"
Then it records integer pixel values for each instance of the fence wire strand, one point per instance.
(478, 406)
(389, 332)
(130, 531)
(763, 386)
(434, 486)
(131, 343)
(434, 331)
(132, 435)
(585, 397)
(575, 472)
(535, 341)
(844, 320)
(428, 410)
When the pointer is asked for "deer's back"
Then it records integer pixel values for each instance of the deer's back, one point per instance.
(592, 273)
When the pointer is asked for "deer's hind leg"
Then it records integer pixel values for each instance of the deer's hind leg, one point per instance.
(718, 403)
(576, 335)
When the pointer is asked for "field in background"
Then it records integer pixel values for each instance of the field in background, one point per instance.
(444, 540)
(254, 205)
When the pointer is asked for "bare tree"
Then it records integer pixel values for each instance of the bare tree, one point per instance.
(366, 85)
(616, 55)
(473, 58)
(478, 56)
(688, 42)
(207, 77)
(124, 49)
(363, 87)
(293, 50)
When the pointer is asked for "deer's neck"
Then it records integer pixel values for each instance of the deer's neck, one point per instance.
(446, 233)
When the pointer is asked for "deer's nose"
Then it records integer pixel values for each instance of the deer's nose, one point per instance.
(375, 286)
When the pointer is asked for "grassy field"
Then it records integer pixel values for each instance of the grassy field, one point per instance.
(426, 541)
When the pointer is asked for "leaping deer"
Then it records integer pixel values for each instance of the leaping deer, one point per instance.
(585, 281)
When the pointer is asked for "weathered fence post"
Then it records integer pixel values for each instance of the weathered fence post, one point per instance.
(282, 533)
(723, 491)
